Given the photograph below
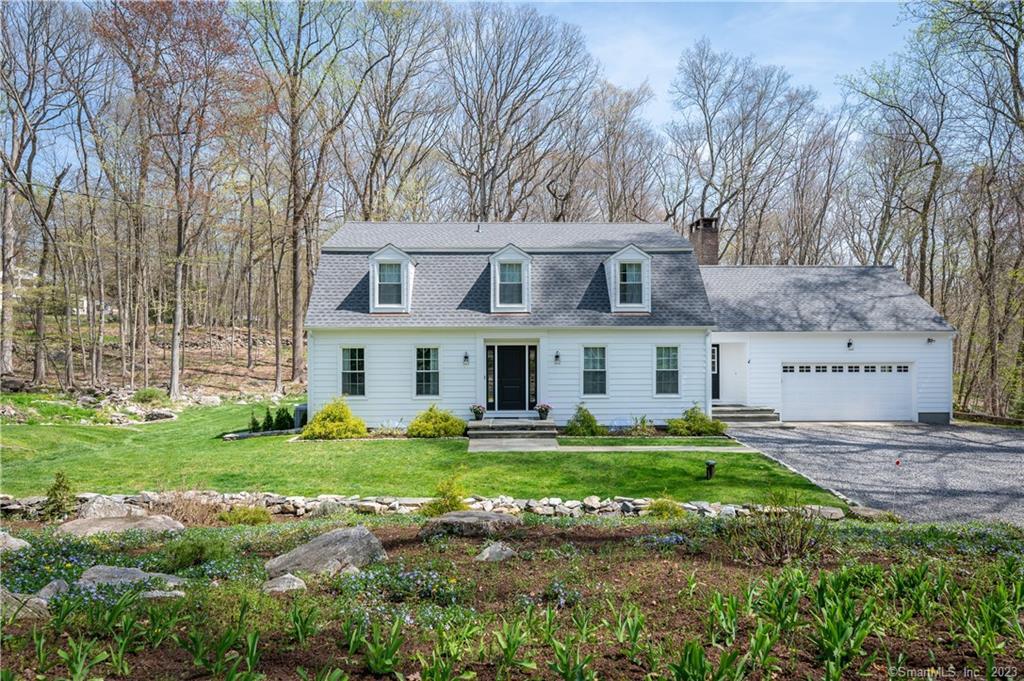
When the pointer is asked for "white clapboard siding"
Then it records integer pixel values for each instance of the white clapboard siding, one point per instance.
(930, 364)
(390, 375)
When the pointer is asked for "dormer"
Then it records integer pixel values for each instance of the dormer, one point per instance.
(629, 280)
(391, 275)
(510, 280)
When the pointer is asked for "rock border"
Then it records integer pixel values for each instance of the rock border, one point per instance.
(326, 504)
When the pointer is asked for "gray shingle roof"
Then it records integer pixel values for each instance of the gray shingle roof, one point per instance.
(453, 289)
(775, 298)
(529, 236)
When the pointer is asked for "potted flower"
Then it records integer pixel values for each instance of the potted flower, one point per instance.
(478, 411)
(543, 410)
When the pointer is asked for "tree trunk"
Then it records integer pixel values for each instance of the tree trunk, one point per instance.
(7, 285)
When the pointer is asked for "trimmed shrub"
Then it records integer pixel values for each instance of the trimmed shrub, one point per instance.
(254, 423)
(665, 509)
(435, 422)
(583, 423)
(334, 422)
(448, 497)
(245, 515)
(193, 550)
(60, 498)
(268, 421)
(283, 419)
(149, 396)
(695, 422)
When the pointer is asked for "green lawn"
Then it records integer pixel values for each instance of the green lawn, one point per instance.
(189, 454)
(623, 441)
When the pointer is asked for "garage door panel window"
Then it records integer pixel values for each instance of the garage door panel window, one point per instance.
(787, 368)
(902, 369)
(820, 369)
(885, 369)
(837, 369)
(853, 369)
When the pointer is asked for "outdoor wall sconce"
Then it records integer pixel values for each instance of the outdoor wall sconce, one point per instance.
(558, 357)
(930, 341)
(465, 359)
(849, 344)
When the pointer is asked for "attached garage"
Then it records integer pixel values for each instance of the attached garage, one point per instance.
(847, 392)
(829, 344)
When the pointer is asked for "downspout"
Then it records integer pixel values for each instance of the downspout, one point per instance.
(707, 372)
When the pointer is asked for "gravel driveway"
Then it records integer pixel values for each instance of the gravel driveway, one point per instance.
(945, 472)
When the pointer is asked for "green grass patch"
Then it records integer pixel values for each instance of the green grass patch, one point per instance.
(39, 408)
(625, 441)
(188, 453)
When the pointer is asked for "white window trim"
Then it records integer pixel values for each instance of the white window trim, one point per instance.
(607, 374)
(341, 370)
(628, 255)
(511, 254)
(440, 378)
(391, 255)
(654, 371)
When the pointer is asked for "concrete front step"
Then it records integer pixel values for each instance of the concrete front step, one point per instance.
(745, 418)
(733, 409)
(510, 424)
(487, 434)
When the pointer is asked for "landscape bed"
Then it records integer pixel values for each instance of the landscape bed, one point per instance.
(608, 599)
(188, 453)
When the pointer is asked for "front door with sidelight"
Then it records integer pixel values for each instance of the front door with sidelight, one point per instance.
(511, 377)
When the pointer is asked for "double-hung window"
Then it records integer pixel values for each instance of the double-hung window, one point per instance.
(428, 372)
(389, 283)
(353, 372)
(595, 374)
(510, 283)
(666, 370)
(631, 283)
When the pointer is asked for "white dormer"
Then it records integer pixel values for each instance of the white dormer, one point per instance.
(510, 280)
(629, 280)
(391, 274)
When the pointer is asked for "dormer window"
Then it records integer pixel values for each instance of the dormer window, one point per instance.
(389, 283)
(631, 283)
(510, 283)
(510, 280)
(629, 280)
(391, 278)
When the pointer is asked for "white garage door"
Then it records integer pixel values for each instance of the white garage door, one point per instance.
(846, 392)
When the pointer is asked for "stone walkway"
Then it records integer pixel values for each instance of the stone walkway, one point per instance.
(551, 445)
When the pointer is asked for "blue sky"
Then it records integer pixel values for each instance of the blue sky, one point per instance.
(817, 42)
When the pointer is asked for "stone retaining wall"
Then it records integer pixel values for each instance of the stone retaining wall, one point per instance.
(325, 504)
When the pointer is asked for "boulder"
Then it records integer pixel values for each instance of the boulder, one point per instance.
(284, 583)
(107, 575)
(54, 588)
(330, 553)
(9, 543)
(873, 515)
(85, 527)
(825, 512)
(159, 415)
(496, 552)
(22, 607)
(208, 400)
(106, 507)
(469, 524)
(160, 594)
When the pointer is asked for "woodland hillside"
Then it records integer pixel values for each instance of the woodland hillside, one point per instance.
(170, 168)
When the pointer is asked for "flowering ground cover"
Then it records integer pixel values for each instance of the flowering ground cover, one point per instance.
(583, 599)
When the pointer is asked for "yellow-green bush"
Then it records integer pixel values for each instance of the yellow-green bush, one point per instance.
(583, 423)
(665, 509)
(695, 422)
(246, 515)
(334, 421)
(436, 422)
(448, 497)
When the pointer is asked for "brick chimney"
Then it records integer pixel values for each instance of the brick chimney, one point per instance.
(704, 237)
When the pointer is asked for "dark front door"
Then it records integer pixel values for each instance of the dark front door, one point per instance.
(511, 377)
(715, 358)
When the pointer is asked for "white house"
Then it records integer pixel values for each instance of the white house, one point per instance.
(616, 316)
